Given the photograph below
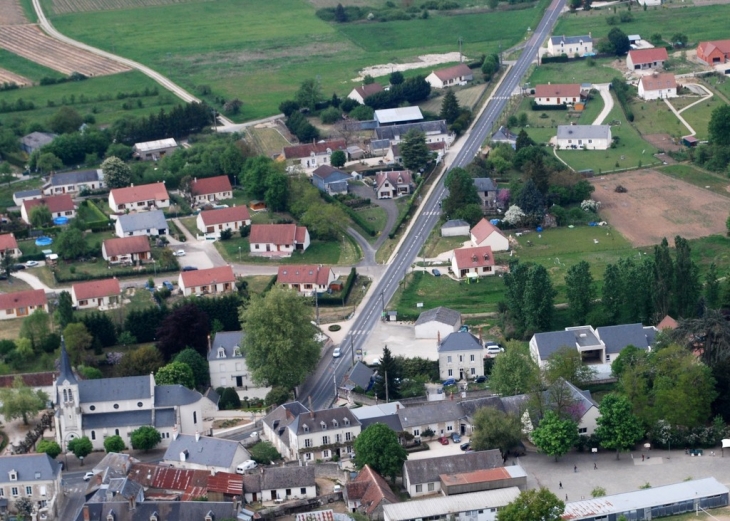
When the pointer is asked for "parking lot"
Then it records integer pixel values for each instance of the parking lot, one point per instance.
(400, 339)
(436, 450)
(196, 258)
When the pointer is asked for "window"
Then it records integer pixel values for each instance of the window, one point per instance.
(325, 440)
(28, 491)
(326, 453)
(461, 358)
(430, 487)
(288, 492)
(116, 432)
(583, 430)
(451, 372)
(472, 358)
(338, 438)
(221, 352)
(139, 404)
(473, 371)
(419, 488)
(195, 417)
(449, 428)
(307, 442)
(93, 435)
(348, 436)
(308, 456)
(303, 490)
(416, 432)
(14, 491)
(448, 359)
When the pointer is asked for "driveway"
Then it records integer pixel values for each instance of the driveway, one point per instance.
(436, 450)
(388, 205)
(603, 89)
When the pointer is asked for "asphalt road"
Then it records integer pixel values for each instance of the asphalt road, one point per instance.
(321, 386)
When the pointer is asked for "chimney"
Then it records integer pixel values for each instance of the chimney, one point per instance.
(480, 336)
(210, 344)
(212, 472)
(132, 185)
(311, 410)
(197, 436)
(87, 516)
(183, 456)
(397, 407)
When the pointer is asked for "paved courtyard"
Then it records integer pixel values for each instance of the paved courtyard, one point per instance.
(400, 339)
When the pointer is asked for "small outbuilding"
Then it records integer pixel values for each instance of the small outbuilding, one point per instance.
(439, 322)
(455, 228)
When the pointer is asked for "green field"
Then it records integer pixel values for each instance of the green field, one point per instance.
(246, 49)
(699, 116)
(654, 117)
(27, 68)
(693, 175)
(577, 71)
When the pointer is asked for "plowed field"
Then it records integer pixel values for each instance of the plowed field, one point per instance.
(79, 6)
(11, 13)
(11, 77)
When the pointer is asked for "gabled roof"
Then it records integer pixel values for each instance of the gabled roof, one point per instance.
(214, 452)
(667, 323)
(322, 147)
(618, 337)
(162, 510)
(29, 467)
(210, 185)
(229, 341)
(368, 90)
(398, 131)
(473, 257)
(74, 178)
(370, 489)
(279, 477)
(133, 194)
(554, 90)
(428, 470)
(484, 229)
(550, 342)
(323, 420)
(288, 234)
(665, 80)
(721, 45)
(395, 178)
(460, 341)
(65, 373)
(36, 192)
(440, 314)
(126, 245)
(114, 389)
(219, 275)
(455, 223)
(330, 174)
(38, 139)
(640, 56)
(158, 144)
(304, 274)
(152, 220)
(23, 299)
(584, 131)
(385, 116)
(225, 215)
(96, 289)
(433, 412)
(485, 184)
(503, 134)
(55, 203)
(556, 40)
(450, 73)
(360, 375)
(281, 417)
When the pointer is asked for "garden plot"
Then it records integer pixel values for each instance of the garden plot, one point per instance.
(10, 77)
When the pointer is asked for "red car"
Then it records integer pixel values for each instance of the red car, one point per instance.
(444, 440)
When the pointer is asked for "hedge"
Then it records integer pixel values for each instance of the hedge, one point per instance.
(79, 277)
(555, 59)
(337, 301)
(185, 208)
(353, 215)
(269, 285)
(407, 214)
(32, 257)
(536, 106)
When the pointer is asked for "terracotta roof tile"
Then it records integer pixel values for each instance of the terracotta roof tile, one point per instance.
(451, 73)
(484, 229)
(368, 90)
(126, 245)
(569, 90)
(211, 185)
(304, 274)
(55, 203)
(8, 242)
(371, 489)
(277, 234)
(225, 215)
(474, 257)
(659, 81)
(133, 194)
(640, 56)
(29, 379)
(33, 297)
(220, 275)
(96, 289)
(305, 150)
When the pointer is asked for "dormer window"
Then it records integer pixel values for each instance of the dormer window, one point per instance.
(305, 427)
(236, 351)
(335, 424)
(110, 516)
(347, 421)
(153, 517)
(323, 425)
(221, 352)
(13, 475)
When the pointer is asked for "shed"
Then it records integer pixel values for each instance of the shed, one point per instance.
(439, 322)
(690, 141)
(633, 38)
(483, 479)
(455, 228)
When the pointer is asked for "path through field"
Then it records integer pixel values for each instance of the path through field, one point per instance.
(11, 77)
(11, 13)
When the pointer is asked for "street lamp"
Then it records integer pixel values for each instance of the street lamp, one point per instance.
(239, 254)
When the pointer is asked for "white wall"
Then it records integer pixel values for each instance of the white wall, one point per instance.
(433, 328)
(455, 232)
(496, 241)
(461, 360)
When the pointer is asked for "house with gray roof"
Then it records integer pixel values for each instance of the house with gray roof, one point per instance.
(435, 131)
(443, 418)
(423, 476)
(330, 179)
(27, 195)
(437, 323)
(145, 223)
(487, 191)
(461, 356)
(571, 46)
(74, 182)
(385, 413)
(359, 376)
(121, 509)
(198, 452)
(455, 228)
(272, 483)
(504, 135)
(227, 365)
(33, 476)
(35, 141)
(588, 137)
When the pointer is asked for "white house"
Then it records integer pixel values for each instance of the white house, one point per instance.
(154, 150)
(485, 233)
(139, 198)
(23, 195)
(134, 249)
(22, 303)
(196, 452)
(435, 131)
(438, 323)
(422, 477)
(443, 418)
(570, 45)
(461, 356)
(590, 137)
(74, 182)
(213, 222)
(279, 483)
(472, 262)
(455, 228)
(227, 365)
(278, 240)
(207, 281)
(360, 94)
(312, 155)
(146, 223)
(658, 86)
(36, 477)
(459, 74)
(555, 94)
(102, 294)
(211, 189)
(641, 59)
(59, 206)
(393, 184)
(650, 3)
(9, 246)
(477, 506)
(306, 279)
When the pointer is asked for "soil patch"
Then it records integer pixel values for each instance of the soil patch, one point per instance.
(11, 13)
(657, 206)
(426, 60)
(662, 142)
(11, 77)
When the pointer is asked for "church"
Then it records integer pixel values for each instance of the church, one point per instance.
(117, 406)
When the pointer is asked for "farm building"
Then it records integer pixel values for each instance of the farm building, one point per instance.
(438, 322)
(590, 137)
(485, 233)
(211, 189)
(570, 45)
(455, 228)
(555, 94)
(459, 74)
(361, 93)
(35, 141)
(714, 52)
(213, 222)
(641, 59)
(154, 150)
(473, 262)
(398, 116)
(658, 86)
(146, 223)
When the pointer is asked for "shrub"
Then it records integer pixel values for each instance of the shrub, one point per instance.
(330, 115)
(264, 453)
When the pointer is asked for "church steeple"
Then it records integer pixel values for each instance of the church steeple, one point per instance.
(66, 375)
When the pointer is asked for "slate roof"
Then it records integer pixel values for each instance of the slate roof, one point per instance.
(96, 289)
(126, 245)
(281, 417)
(470, 407)
(584, 132)
(114, 389)
(152, 220)
(225, 215)
(278, 477)
(165, 417)
(390, 420)
(428, 470)
(641, 56)
(171, 395)
(360, 375)
(65, 373)
(330, 174)
(27, 465)
(379, 144)
(228, 340)
(27, 193)
(210, 185)
(570, 39)
(214, 452)
(163, 510)
(19, 299)
(440, 314)
(74, 178)
(118, 419)
(549, 343)
(504, 134)
(457, 71)
(454, 223)
(386, 116)
(133, 194)
(484, 229)
(618, 337)
(311, 422)
(370, 489)
(37, 139)
(460, 341)
(485, 184)
(398, 131)
(434, 412)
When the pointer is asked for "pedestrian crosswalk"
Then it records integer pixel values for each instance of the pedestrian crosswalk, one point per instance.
(77, 488)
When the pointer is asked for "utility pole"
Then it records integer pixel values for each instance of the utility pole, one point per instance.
(334, 380)
(386, 387)
(316, 304)
(352, 349)
(461, 41)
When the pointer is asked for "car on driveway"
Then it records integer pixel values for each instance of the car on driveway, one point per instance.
(179, 253)
(464, 446)
(18, 267)
(455, 437)
(480, 379)
(449, 381)
(189, 268)
(88, 476)
(31, 264)
(494, 350)
(336, 353)
(443, 440)
(436, 272)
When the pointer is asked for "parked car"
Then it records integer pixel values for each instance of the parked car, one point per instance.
(464, 329)
(167, 285)
(455, 437)
(189, 268)
(88, 476)
(449, 381)
(179, 253)
(18, 267)
(436, 272)
(336, 353)
(464, 446)
(31, 264)
(246, 465)
(494, 350)
(480, 379)
(443, 440)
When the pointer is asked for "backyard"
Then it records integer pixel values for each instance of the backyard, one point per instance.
(343, 252)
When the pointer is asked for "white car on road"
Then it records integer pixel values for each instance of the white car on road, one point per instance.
(336, 353)
(31, 264)
(179, 253)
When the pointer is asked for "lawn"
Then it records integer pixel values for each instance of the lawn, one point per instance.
(7, 190)
(375, 216)
(437, 244)
(560, 117)
(257, 283)
(696, 176)
(268, 141)
(578, 71)
(720, 83)
(319, 252)
(699, 116)
(27, 68)
(654, 117)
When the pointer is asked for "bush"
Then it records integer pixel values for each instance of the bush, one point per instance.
(229, 400)
(226, 235)
(277, 396)
(362, 113)
(330, 115)
(264, 453)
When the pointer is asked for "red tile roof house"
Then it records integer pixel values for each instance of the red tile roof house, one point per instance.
(22, 303)
(360, 93)
(556, 94)
(211, 189)
(127, 249)
(59, 205)
(714, 52)
(213, 222)
(142, 197)
(306, 279)
(9, 246)
(312, 155)
(211, 280)
(473, 262)
(640, 59)
(389, 185)
(102, 294)
(278, 240)
(368, 493)
(457, 75)
(486, 234)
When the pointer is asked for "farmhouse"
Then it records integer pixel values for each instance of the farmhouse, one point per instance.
(24, 195)
(455, 228)
(486, 234)
(306, 279)
(461, 356)
(390, 185)
(35, 141)
(555, 94)
(278, 239)
(435, 131)
(280, 483)
(472, 262)
(590, 137)
(368, 493)
(154, 150)
(59, 206)
(227, 365)
(22, 303)
(487, 190)
(423, 476)
(36, 477)
(570, 45)
(311, 155)
(139, 198)
(127, 249)
(658, 86)
(147, 223)
(102, 294)
(459, 74)
(196, 452)
(714, 52)
(438, 322)
(211, 280)
(9, 246)
(361, 93)
(74, 182)
(641, 59)
(213, 222)
(210, 189)
(398, 116)
(330, 179)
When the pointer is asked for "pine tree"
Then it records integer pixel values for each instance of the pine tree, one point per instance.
(388, 376)
(663, 278)
(686, 282)
(611, 293)
(414, 150)
(450, 109)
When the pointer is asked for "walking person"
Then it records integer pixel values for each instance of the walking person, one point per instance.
(560, 485)
(595, 467)
(575, 468)
(566, 497)
(642, 457)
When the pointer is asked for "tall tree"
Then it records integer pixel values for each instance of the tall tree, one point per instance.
(539, 299)
(462, 192)
(49, 447)
(414, 151)
(81, 447)
(71, 244)
(523, 140)
(65, 121)
(687, 283)
(198, 364)
(36, 328)
(21, 401)
(378, 447)
(175, 373)
(184, 326)
(145, 438)
(65, 311)
(719, 126)
(611, 293)
(514, 372)
(386, 383)
(114, 444)
(580, 291)
(555, 436)
(567, 363)
(663, 278)
(712, 287)
(340, 14)
(533, 505)
(280, 344)
(309, 94)
(450, 109)
(142, 361)
(618, 428)
(40, 216)
(709, 335)
(494, 429)
(620, 44)
(515, 281)
(117, 173)
(78, 340)
(338, 158)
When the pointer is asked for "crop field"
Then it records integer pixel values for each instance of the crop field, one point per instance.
(11, 13)
(26, 68)
(10, 77)
(80, 6)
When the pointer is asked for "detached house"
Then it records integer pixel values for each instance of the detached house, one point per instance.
(331, 180)
(461, 356)
(556, 94)
(641, 59)
(9, 246)
(570, 45)
(368, 493)
(658, 86)
(211, 189)
(211, 280)
(146, 223)
(102, 294)
(389, 185)
(443, 418)
(306, 279)
(127, 249)
(360, 94)
(59, 206)
(213, 222)
(487, 190)
(227, 365)
(74, 182)
(459, 74)
(36, 477)
(473, 262)
(139, 198)
(590, 137)
(714, 52)
(23, 195)
(22, 303)
(154, 150)
(198, 452)
(487, 234)
(278, 239)
(279, 483)
(312, 155)
(438, 323)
